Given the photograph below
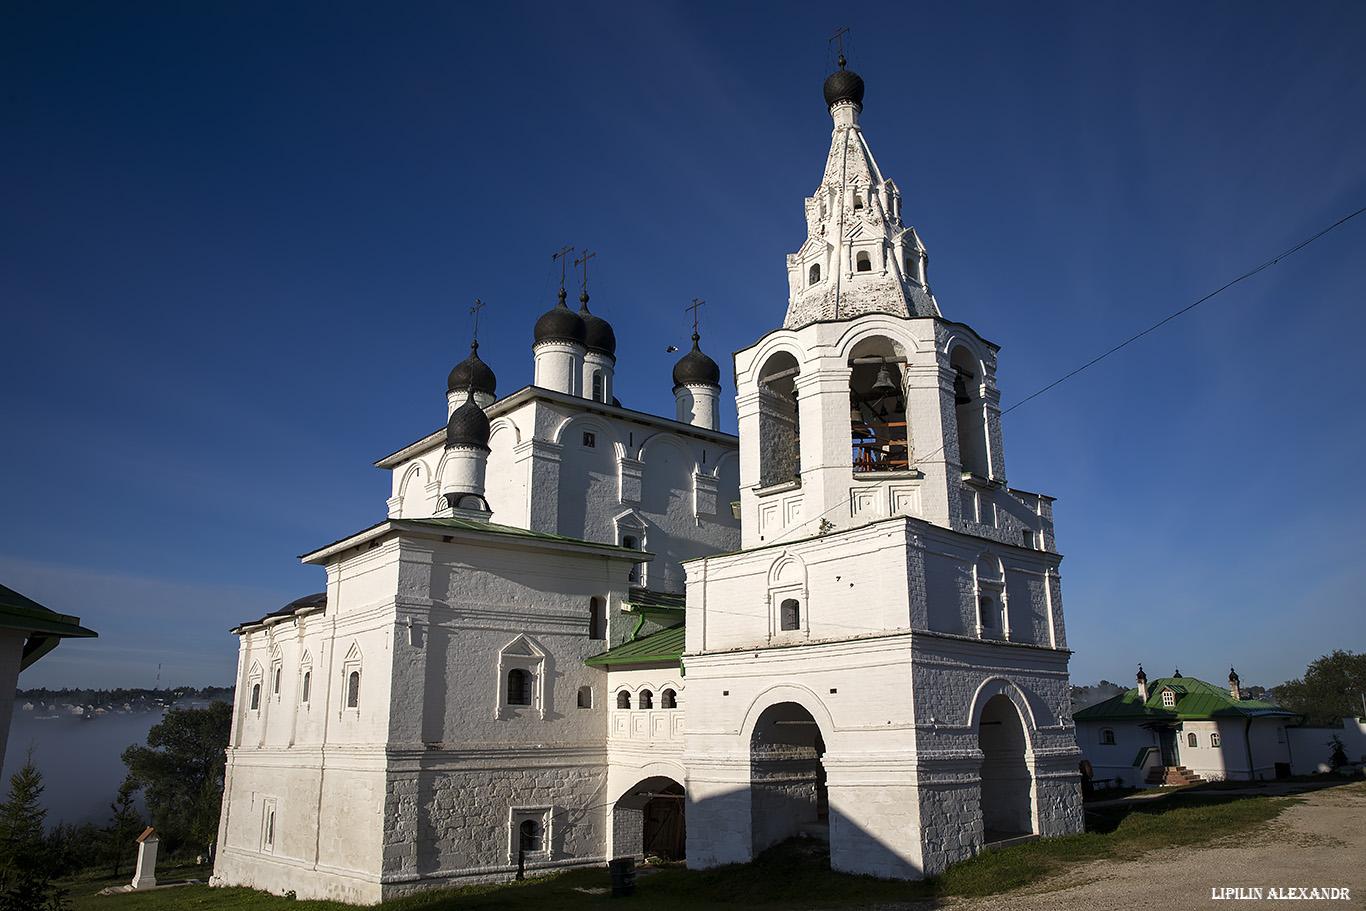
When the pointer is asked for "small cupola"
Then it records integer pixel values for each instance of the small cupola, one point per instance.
(1234, 684)
(560, 324)
(466, 464)
(696, 369)
(697, 388)
(844, 85)
(468, 426)
(471, 375)
(598, 334)
(559, 349)
(1142, 679)
(600, 354)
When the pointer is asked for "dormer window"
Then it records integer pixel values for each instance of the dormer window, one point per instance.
(864, 263)
(1168, 699)
(814, 275)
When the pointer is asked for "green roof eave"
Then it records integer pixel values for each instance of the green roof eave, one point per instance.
(1196, 701)
(19, 612)
(664, 646)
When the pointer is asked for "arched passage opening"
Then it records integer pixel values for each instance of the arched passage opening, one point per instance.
(649, 820)
(1007, 806)
(788, 795)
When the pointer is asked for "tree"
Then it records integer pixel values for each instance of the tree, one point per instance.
(1331, 689)
(125, 824)
(181, 772)
(25, 873)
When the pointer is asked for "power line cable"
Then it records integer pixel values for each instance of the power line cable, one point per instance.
(1187, 309)
(1251, 272)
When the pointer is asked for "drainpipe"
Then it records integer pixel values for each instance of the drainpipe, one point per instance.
(1247, 742)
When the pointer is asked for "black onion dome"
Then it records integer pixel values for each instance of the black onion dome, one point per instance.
(560, 324)
(696, 369)
(468, 426)
(472, 373)
(598, 332)
(845, 85)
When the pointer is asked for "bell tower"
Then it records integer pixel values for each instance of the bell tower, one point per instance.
(867, 403)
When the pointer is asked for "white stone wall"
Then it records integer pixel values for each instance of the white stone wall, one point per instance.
(658, 481)
(422, 781)
(1310, 747)
(830, 491)
(926, 578)
(899, 716)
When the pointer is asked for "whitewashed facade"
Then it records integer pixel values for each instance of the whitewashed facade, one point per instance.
(500, 672)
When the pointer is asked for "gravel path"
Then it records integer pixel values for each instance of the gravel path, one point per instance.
(1320, 842)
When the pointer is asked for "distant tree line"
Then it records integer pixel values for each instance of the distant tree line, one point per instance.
(123, 695)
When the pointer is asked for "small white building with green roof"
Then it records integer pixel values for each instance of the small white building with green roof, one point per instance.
(1180, 730)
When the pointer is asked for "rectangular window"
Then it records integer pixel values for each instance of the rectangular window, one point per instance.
(590, 440)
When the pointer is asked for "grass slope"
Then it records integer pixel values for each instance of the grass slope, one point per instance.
(793, 875)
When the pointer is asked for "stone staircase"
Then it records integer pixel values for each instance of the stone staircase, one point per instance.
(1165, 776)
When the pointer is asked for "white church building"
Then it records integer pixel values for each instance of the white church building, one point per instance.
(584, 632)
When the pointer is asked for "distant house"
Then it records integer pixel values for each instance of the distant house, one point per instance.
(1180, 730)
(28, 631)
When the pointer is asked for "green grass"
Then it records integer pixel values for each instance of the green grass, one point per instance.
(792, 875)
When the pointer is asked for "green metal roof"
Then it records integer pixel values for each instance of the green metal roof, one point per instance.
(651, 600)
(1196, 700)
(44, 627)
(665, 645)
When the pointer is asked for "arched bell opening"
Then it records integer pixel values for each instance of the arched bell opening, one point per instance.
(650, 820)
(1007, 785)
(788, 794)
(970, 412)
(779, 430)
(880, 436)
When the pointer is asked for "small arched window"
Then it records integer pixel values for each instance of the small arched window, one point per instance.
(519, 687)
(790, 615)
(623, 700)
(668, 700)
(529, 835)
(911, 270)
(647, 699)
(1191, 740)
(255, 696)
(306, 686)
(353, 690)
(278, 672)
(864, 263)
(814, 275)
(585, 697)
(1107, 736)
(858, 201)
(599, 386)
(1214, 740)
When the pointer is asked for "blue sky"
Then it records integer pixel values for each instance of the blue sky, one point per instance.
(241, 241)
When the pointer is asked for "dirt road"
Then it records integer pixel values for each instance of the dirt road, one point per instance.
(1319, 843)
